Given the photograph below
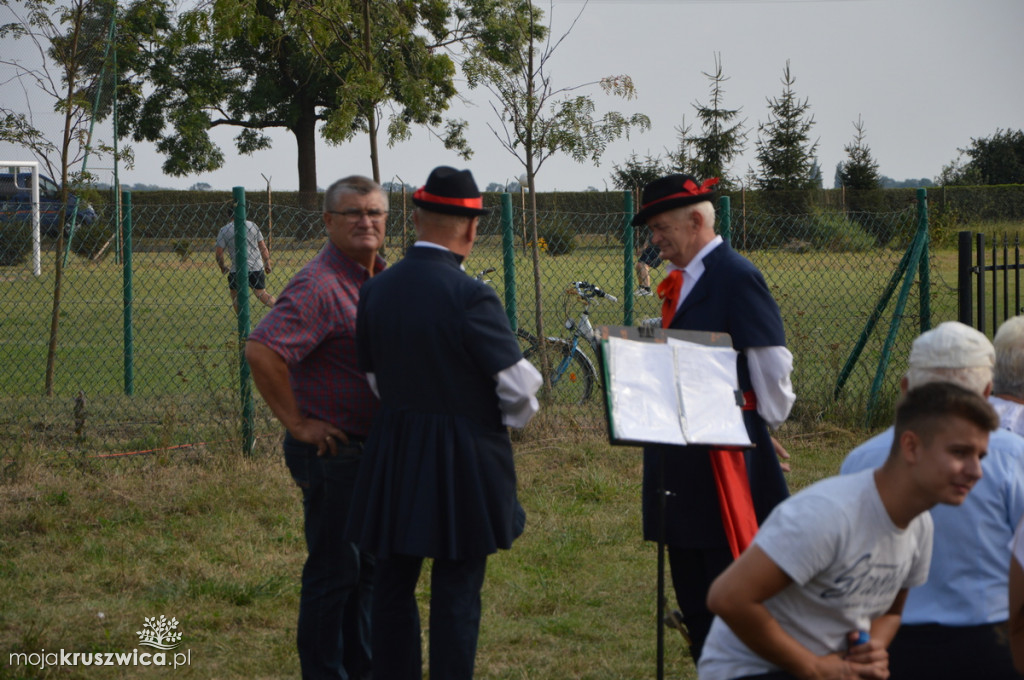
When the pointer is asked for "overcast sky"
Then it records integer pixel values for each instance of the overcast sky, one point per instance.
(925, 76)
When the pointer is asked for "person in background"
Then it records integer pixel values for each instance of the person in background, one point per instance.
(648, 259)
(438, 480)
(1008, 380)
(819, 592)
(954, 626)
(303, 360)
(258, 260)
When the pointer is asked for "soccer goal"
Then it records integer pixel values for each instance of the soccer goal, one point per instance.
(14, 175)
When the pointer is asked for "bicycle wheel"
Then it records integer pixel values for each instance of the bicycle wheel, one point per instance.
(572, 373)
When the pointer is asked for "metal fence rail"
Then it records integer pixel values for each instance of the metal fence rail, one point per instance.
(174, 326)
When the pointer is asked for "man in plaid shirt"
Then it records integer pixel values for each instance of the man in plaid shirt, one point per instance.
(303, 361)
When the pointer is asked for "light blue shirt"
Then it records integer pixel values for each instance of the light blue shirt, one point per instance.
(968, 581)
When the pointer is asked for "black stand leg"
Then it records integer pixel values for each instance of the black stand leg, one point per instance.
(661, 567)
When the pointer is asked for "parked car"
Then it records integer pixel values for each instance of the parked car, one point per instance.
(16, 202)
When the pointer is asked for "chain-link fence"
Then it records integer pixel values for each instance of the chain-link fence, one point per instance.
(153, 359)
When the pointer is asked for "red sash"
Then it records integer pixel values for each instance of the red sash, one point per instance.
(734, 497)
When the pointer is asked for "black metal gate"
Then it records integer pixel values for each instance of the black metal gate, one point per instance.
(976, 304)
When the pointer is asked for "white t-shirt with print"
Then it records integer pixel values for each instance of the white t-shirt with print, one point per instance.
(847, 560)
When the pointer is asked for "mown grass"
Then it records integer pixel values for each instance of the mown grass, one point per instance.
(214, 539)
(185, 337)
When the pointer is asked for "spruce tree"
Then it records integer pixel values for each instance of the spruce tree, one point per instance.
(723, 135)
(785, 152)
(860, 171)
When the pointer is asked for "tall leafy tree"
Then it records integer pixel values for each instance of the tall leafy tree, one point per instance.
(998, 159)
(722, 135)
(538, 119)
(333, 67)
(860, 170)
(785, 153)
(400, 59)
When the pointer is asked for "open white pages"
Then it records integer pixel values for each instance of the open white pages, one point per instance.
(677, 392)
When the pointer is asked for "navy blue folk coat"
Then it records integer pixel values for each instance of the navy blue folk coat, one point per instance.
(437, 479)
(731, 296)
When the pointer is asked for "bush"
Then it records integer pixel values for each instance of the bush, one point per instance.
(182, 248)
(90, 239)
(15, 242)
(837, 233)
(560, 239)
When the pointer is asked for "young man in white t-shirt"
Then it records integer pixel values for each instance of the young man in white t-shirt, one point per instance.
(819, 592)
(258, 261)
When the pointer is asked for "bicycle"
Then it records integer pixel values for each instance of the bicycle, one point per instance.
(573, 374)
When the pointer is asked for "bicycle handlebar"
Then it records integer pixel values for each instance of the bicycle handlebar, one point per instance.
(588, 291)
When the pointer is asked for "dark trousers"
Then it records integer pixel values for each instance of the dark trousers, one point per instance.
(454, 618)
(333, 633)
(951, 653)
(693, 570)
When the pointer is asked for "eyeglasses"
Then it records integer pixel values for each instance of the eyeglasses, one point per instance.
(353, 214)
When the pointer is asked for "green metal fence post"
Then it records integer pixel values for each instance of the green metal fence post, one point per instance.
(628, 248)
(725, 219)
(126, 269)
(883, 301)
(918, 249)
(925, 267)
(508, 251)
(242, 282)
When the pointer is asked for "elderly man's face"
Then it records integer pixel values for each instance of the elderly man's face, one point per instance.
(677, 235)
(355, 224)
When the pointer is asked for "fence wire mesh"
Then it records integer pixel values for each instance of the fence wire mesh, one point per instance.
(182, 347)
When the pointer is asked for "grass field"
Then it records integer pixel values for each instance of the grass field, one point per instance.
(215, 540)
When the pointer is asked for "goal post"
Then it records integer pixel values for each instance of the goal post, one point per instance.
(16, 168)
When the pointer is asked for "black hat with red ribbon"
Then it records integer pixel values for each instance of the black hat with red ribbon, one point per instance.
(674, 191)
(452, 192)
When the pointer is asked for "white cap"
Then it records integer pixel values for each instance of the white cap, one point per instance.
(952, 344)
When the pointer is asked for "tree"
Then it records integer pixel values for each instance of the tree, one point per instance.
(860, 170)
(998, 159)
(890, 183)
(722, 139)
(69, 44)
(328, 66)
(816, 181)
(635, 172)
(785, 153)
(70, 41)
(539, 120)
(682, 159)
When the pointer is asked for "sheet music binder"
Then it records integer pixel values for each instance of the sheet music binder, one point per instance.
(669, 386)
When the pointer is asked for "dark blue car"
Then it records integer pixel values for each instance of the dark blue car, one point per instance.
(16, 202)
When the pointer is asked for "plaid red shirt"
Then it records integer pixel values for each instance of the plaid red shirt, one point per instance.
(313, 327)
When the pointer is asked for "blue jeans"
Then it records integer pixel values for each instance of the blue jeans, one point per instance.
(333, 633)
